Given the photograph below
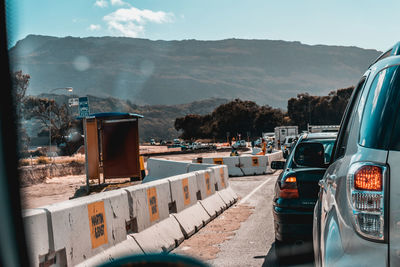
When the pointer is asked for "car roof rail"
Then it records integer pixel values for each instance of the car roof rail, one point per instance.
(393, 51)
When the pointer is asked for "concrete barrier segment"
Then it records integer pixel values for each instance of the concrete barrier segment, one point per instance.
(183, 191)
(220, 179)
(228, 196)
(192, 219)
(197, 166)
(234, 167)
(37, 235)
(205, 184)
(125, 248)
(253, 165)
(161, 237)
(214, 205)
(149, 204)
(86, 226)
(161, 168)
(232, 193)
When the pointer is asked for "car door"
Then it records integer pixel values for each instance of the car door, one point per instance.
(336, 170)
(393, 161)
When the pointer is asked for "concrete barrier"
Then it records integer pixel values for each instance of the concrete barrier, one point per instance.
(198, 166)
(37, 235)
(254, 165)
(163, 236)
(146, 218)
(184, 193)
(162, 168)
(228, 196)
(205, 185)
(149, 203)
(153, 227)
(82, 228)
(234, 167)
(125, 248)
(246, 165)
(208, 185)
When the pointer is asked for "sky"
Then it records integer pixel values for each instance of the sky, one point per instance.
(363, 23)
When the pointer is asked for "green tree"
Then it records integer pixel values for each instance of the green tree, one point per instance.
(20, 82)
(51, 116)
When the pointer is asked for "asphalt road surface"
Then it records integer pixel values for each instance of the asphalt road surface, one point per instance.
(252, 241)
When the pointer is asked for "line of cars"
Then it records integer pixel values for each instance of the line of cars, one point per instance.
(342, 193)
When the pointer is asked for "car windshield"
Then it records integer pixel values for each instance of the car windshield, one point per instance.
(140, 123)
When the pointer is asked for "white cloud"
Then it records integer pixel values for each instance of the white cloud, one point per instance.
(130, 21)
(94, 27)
(101, 3)
(118, 3)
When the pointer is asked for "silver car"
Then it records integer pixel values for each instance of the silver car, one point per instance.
(357, 215)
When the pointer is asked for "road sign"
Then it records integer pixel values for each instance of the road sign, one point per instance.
(84, 110)
(73, 102)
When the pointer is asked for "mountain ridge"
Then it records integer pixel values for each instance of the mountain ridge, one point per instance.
(182, 71)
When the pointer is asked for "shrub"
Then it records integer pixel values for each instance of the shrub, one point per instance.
(43, 160)
(24, 163)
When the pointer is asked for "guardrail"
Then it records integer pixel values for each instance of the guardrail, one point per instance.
(152, 217)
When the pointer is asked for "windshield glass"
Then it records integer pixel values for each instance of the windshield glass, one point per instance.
(141, 122)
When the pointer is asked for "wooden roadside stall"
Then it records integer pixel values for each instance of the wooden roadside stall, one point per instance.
(111, 146)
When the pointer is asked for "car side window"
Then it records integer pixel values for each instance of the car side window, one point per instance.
(381, 108)
(341, 142)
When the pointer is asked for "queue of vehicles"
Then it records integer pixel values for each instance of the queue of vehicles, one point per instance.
(342, 193)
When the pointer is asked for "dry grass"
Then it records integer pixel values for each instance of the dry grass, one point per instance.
(79, 158)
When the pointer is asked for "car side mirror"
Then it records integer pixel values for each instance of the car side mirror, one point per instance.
(278, 165)
(310, 154)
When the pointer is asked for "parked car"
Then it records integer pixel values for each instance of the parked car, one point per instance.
(296, 189)
(357, 215)
(239, 143)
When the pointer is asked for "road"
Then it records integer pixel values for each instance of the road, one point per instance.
(247, 236)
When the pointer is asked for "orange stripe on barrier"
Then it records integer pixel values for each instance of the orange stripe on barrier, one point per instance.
(153, 205)
(186, 193)
(97, 223)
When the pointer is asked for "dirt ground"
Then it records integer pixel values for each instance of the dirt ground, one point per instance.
(204, 245)
(58, 189)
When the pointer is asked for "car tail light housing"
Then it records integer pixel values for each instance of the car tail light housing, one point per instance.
(288, 188)
(366, 186)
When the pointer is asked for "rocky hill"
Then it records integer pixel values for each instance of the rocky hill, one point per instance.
(176, 72)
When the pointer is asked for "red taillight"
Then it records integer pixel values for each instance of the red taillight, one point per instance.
(366, 195)
(368, 178)
(289, 188)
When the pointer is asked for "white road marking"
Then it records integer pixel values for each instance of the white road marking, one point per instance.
(255, 190)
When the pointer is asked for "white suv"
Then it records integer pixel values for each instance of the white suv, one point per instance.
(357, 216)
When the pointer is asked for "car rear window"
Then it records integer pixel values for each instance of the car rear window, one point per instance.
(328, 147)
(381, 109)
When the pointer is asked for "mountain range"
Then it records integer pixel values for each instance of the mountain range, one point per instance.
(149, 72)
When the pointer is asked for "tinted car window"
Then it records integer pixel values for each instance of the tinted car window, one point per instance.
(380, 109)
(328, 145)
(341, 143)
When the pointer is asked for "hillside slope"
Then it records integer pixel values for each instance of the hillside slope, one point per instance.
(176, 72)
